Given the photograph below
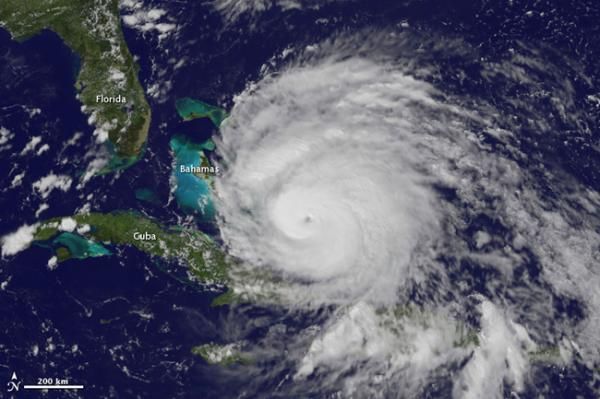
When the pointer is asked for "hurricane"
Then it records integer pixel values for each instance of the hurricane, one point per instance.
(328, 199)
(354, 181)
(300, 199)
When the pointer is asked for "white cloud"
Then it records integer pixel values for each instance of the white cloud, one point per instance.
(233, 9)
(33, 112)
(67, 224)
(82, 229)
(41, 209)
(17, 180)
(18, 240)
(31, 145)
(349, 178)
(118, 77)
(50, 182)
(92, 169)
(361, 343)
(5, 135)
(145, 20)
(160, 89)
(42, 149)
(165, 28)
(482, 238)
(101, 135)
(92, 118)
(502, 356)
(155, 14)
(52, 263)
(73, 140)
(330, 177)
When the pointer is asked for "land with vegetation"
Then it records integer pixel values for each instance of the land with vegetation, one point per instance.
(92, 29)
(206, 261)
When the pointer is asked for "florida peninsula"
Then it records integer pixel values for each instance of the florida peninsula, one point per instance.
(92, 29)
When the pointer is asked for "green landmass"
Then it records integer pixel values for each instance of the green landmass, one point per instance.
(227, 298)
(548, 354)
(205, 163)
(206, 260)
(223, 355)
(92, 29)
(62, 254)
(189, 109)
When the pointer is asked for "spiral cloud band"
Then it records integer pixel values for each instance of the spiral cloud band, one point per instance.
(352, 181)
(322, 175)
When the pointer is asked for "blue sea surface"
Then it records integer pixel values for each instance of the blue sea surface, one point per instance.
(124, 325)
(37, 98)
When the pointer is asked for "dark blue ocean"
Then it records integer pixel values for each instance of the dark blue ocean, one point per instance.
(124, 325)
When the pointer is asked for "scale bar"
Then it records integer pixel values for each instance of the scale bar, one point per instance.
(52, 386)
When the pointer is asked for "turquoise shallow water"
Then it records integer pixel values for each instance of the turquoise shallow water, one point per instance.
(193, 193)
(147, 195)
(189, 108)
(79, 247)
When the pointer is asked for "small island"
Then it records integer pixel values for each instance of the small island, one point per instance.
(189, 109)
(223, 355)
